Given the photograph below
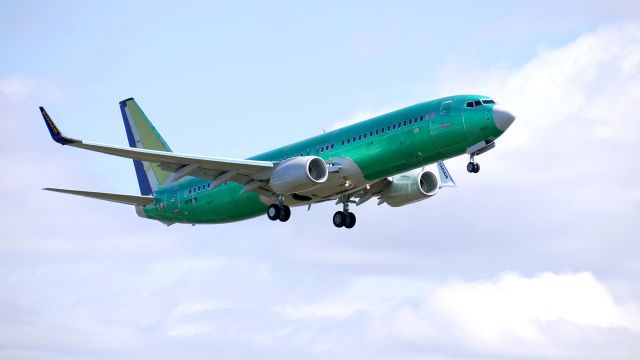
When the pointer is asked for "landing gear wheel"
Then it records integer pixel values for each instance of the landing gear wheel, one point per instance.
(285, 213)
(339, 219)
(473, 167)
(273, 212)
(350, 220)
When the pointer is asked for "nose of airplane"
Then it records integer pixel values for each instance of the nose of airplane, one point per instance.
(502, 117)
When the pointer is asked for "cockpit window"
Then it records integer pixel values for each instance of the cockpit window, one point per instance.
(476, 103)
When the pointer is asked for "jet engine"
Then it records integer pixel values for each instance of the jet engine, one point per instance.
(298, 174)
(410, 187)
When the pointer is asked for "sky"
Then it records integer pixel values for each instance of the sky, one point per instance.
(535, 257)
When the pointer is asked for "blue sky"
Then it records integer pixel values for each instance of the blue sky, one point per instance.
(535, 257)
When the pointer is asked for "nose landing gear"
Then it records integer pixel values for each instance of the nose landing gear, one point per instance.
(477, 149)
(473, 166)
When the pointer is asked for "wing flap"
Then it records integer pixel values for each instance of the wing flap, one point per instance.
(119, 198)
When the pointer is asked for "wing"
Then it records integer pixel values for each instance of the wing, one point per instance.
(253, 173)
(119, 198)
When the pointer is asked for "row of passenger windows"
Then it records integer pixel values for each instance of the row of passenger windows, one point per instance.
(472, 104)
(388, 128)
(323, 148)
(199, 188)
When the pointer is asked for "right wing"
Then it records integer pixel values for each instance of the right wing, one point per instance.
(253, 173)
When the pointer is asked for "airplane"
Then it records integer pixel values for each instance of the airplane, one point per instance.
(383, 157)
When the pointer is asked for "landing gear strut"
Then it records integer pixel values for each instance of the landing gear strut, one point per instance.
(279, 211)
(473, 166)
(477, 149)
(344, 218)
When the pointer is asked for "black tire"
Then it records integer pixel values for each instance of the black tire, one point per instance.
(350, 220)
(471, 167)
(273, 212)
(285, 213)
(476, 168)
(338, 219)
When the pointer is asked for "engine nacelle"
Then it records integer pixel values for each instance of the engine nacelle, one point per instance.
(410, 187)
(298, 174)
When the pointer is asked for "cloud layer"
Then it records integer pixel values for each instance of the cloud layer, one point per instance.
(556, 205)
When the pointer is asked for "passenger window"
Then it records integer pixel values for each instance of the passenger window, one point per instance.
(376, 131)
(354, 139)
(405, 123)
(359, 137)
(394, 126)
(383, 130)
(421, 117)
(348, 141)
(342, 142)
(410, 121)
(371, 133)
(364, 136)
(331, 146)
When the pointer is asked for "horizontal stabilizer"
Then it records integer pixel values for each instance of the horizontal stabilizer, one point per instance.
(119, 198)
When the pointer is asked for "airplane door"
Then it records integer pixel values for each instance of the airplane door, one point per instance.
(174, 201)
(445, 125)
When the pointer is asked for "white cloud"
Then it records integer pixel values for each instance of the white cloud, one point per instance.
(510, 316)
(15, 87)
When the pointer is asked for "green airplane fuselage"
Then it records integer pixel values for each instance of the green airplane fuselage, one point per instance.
(383, 146)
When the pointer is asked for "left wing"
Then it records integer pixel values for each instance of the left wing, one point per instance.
(218, 169)
(119, 198)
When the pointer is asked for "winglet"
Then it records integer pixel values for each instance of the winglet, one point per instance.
(445, 177)
(56, 135)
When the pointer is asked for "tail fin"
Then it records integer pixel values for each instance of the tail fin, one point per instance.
(143, 135)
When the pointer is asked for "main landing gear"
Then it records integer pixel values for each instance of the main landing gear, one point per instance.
(279, 211)
(344, 218)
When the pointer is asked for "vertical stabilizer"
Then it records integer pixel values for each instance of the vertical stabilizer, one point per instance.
(143, 135)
